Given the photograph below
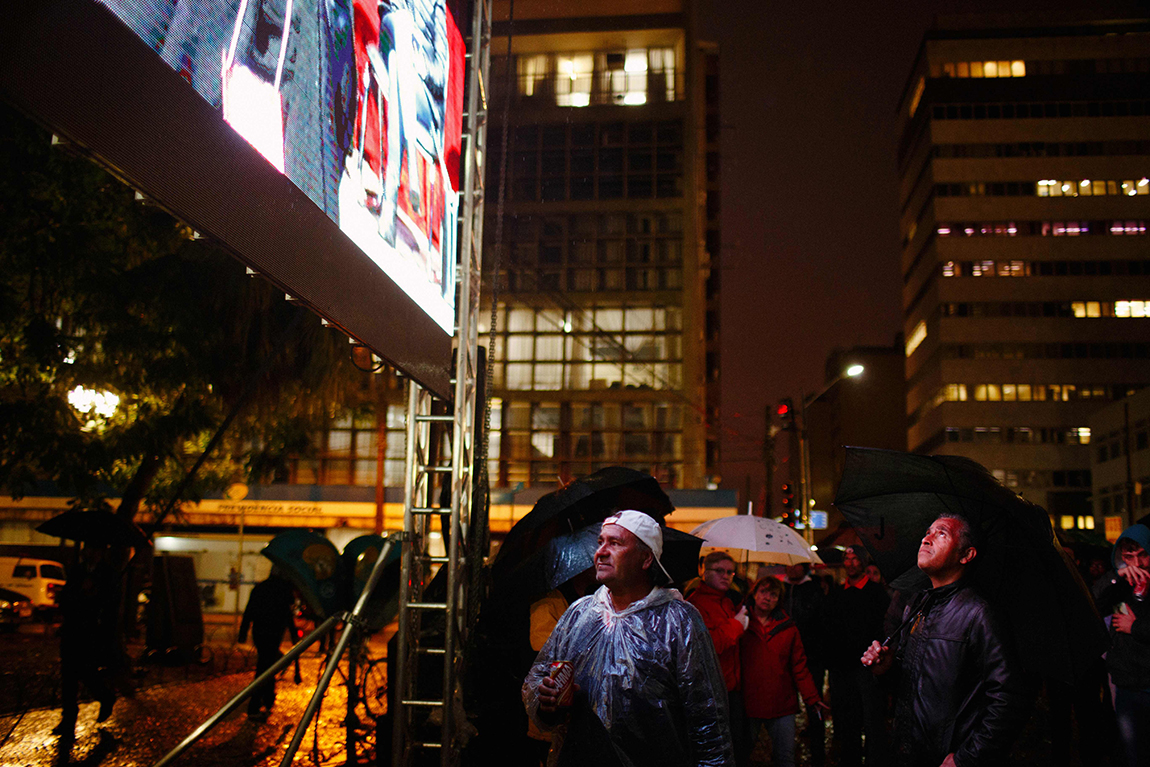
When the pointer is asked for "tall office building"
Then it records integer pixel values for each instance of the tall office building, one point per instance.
(607, 305)
(1026, 266)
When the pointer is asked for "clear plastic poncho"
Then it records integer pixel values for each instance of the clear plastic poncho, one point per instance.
(649, 672)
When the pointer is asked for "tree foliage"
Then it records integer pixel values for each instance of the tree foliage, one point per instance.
(100, 291)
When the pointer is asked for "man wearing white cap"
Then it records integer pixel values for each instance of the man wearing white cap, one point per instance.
(644, 662)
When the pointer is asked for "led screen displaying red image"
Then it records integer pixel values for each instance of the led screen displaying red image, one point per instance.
(357, 102)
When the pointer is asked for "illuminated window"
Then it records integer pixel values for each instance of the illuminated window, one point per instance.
(625, 76)
(1132, 308)
(573, 79)
(919, 87)
(532, 74)
(1066, 522)
(662, 67)
(917, 336)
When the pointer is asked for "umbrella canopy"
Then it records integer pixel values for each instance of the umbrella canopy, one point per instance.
(565, 556)
(584, 501)
(891, 498)
(763, 540)
(95, 526)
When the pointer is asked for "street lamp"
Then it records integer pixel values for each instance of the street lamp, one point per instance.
(805, 500)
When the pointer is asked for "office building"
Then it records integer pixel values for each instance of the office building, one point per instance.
(1024, 198)
(607, 305)
(1120, 465)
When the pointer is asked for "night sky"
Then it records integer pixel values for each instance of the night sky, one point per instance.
(810, 252)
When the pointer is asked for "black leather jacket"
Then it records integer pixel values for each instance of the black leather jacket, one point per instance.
(959, 691)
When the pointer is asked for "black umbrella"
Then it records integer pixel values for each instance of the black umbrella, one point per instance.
(565, 556)
(891, 498)
(584, 501)
(95, 526)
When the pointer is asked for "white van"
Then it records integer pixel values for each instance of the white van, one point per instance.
(41, 580)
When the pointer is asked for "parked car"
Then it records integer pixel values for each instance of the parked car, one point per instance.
(14, 609)
(41, 580)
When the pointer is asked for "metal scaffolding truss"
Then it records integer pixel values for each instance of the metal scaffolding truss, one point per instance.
(441, 441)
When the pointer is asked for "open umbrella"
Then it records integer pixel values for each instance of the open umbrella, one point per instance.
(584, 501)
(891, 498)
(763, 540)
(565, 556)
(95, 526)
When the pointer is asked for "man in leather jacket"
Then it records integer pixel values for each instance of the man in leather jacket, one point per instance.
(960, 698)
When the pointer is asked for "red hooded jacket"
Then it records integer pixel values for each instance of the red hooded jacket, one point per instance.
(719, 616)
(774, 668)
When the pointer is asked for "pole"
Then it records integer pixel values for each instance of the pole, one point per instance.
(380, 453)
(768, 464)
(239, 572)
(804, 473)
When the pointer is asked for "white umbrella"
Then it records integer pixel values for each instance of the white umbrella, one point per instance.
(762, 540)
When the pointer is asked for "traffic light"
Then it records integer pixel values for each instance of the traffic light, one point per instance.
(789, 516)
(786, 413)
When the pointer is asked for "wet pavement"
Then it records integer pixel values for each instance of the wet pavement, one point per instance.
(169, 703)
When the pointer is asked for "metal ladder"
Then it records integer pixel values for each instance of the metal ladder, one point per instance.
(424, 453)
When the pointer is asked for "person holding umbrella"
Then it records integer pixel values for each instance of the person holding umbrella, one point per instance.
(960, 698)
(269, 616)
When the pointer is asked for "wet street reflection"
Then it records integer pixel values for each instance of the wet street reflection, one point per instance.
(169, 703)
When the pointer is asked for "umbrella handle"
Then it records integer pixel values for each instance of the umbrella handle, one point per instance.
(906, 622)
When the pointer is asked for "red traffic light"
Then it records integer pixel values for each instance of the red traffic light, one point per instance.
(783, 410)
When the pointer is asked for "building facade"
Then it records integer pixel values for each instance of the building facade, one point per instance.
(1120, 464)
(1024, 161)
(605, 256)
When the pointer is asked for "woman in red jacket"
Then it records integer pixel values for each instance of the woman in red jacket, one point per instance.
(774, 672)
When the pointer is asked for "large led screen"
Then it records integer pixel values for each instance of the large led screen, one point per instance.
(359, 103)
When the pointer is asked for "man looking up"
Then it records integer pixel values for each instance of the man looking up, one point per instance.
(960, 700)
(726, 626)
(854, 613)
(642, 658)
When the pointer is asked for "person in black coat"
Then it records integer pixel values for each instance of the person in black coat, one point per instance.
(1124, 594)
(853, 618)
(961, 699)
(268, 615)
(803, 601)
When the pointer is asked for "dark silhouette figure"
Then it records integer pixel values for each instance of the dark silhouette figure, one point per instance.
(268, 615)
(89, 607)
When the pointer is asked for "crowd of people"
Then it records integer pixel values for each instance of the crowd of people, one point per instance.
(920, 679)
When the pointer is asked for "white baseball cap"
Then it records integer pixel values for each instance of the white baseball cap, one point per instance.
(645, 528)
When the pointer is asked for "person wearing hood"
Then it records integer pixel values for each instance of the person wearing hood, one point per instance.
(644, 665)
(1123, 593)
